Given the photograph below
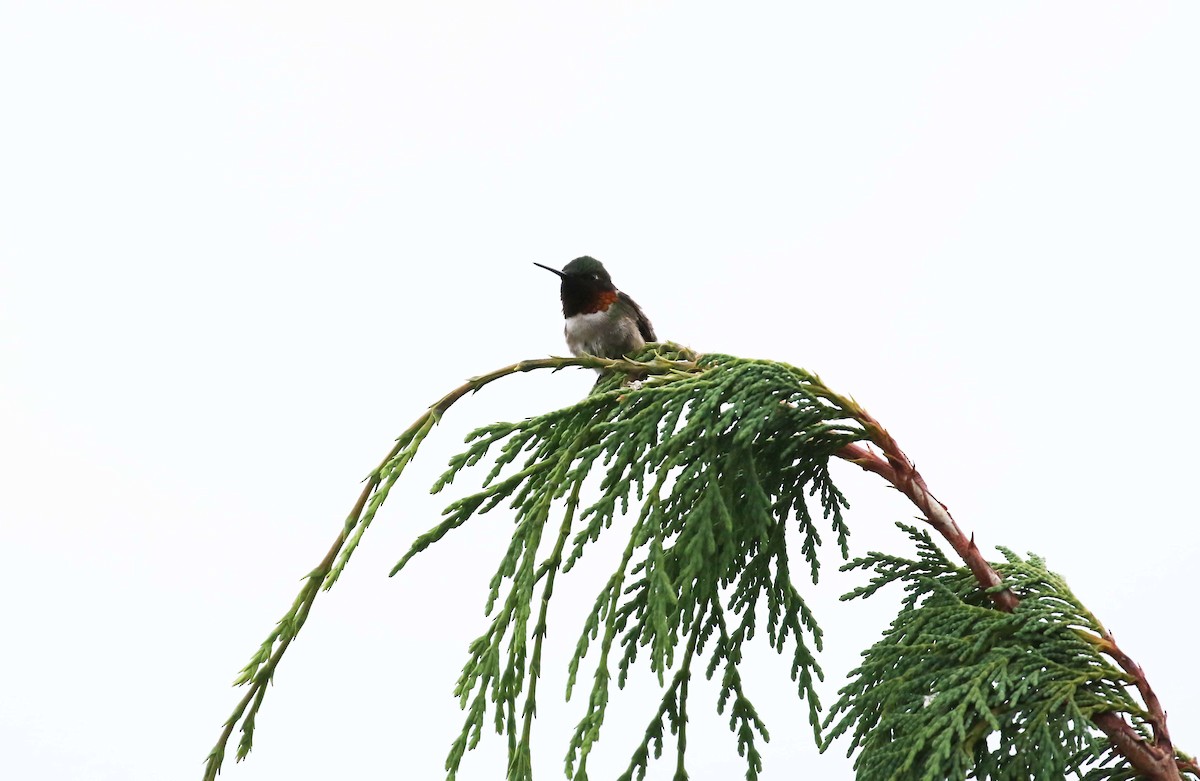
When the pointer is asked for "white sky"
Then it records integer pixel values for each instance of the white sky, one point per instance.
(243, 244)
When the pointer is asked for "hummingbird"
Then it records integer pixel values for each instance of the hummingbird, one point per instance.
(601, 320)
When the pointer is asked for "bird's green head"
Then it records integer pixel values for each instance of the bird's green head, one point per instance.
(583, 273)
(586, 286)
(586, 266)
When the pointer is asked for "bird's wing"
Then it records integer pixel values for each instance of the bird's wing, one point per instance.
(643, 322)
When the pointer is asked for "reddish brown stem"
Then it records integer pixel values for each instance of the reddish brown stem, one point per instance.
(1155, 759)
(901, 474)
(1154, 709)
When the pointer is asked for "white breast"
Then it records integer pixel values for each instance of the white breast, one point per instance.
(585, 333)
(600, 334)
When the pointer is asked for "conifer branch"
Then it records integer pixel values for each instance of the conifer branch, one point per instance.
(1156, 757)
(257, 674)
(722, 454)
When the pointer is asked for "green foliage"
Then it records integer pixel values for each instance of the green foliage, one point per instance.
(957, 689)
(717, 463)
(712, 463)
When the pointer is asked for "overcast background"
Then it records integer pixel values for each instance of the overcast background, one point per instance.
(243, 244)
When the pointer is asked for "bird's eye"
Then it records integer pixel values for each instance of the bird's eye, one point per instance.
(595, 276)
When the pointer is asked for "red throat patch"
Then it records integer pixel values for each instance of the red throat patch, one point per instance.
(600, 303)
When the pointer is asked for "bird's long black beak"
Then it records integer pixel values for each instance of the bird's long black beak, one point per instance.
(551, 270)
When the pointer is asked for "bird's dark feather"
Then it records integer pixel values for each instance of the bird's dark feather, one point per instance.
(643, 322)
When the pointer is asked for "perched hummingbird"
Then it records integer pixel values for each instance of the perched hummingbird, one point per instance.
(601, 320)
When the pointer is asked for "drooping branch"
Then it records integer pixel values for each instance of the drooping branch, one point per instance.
(733, 402)
(258, 672)
(1155, 758)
